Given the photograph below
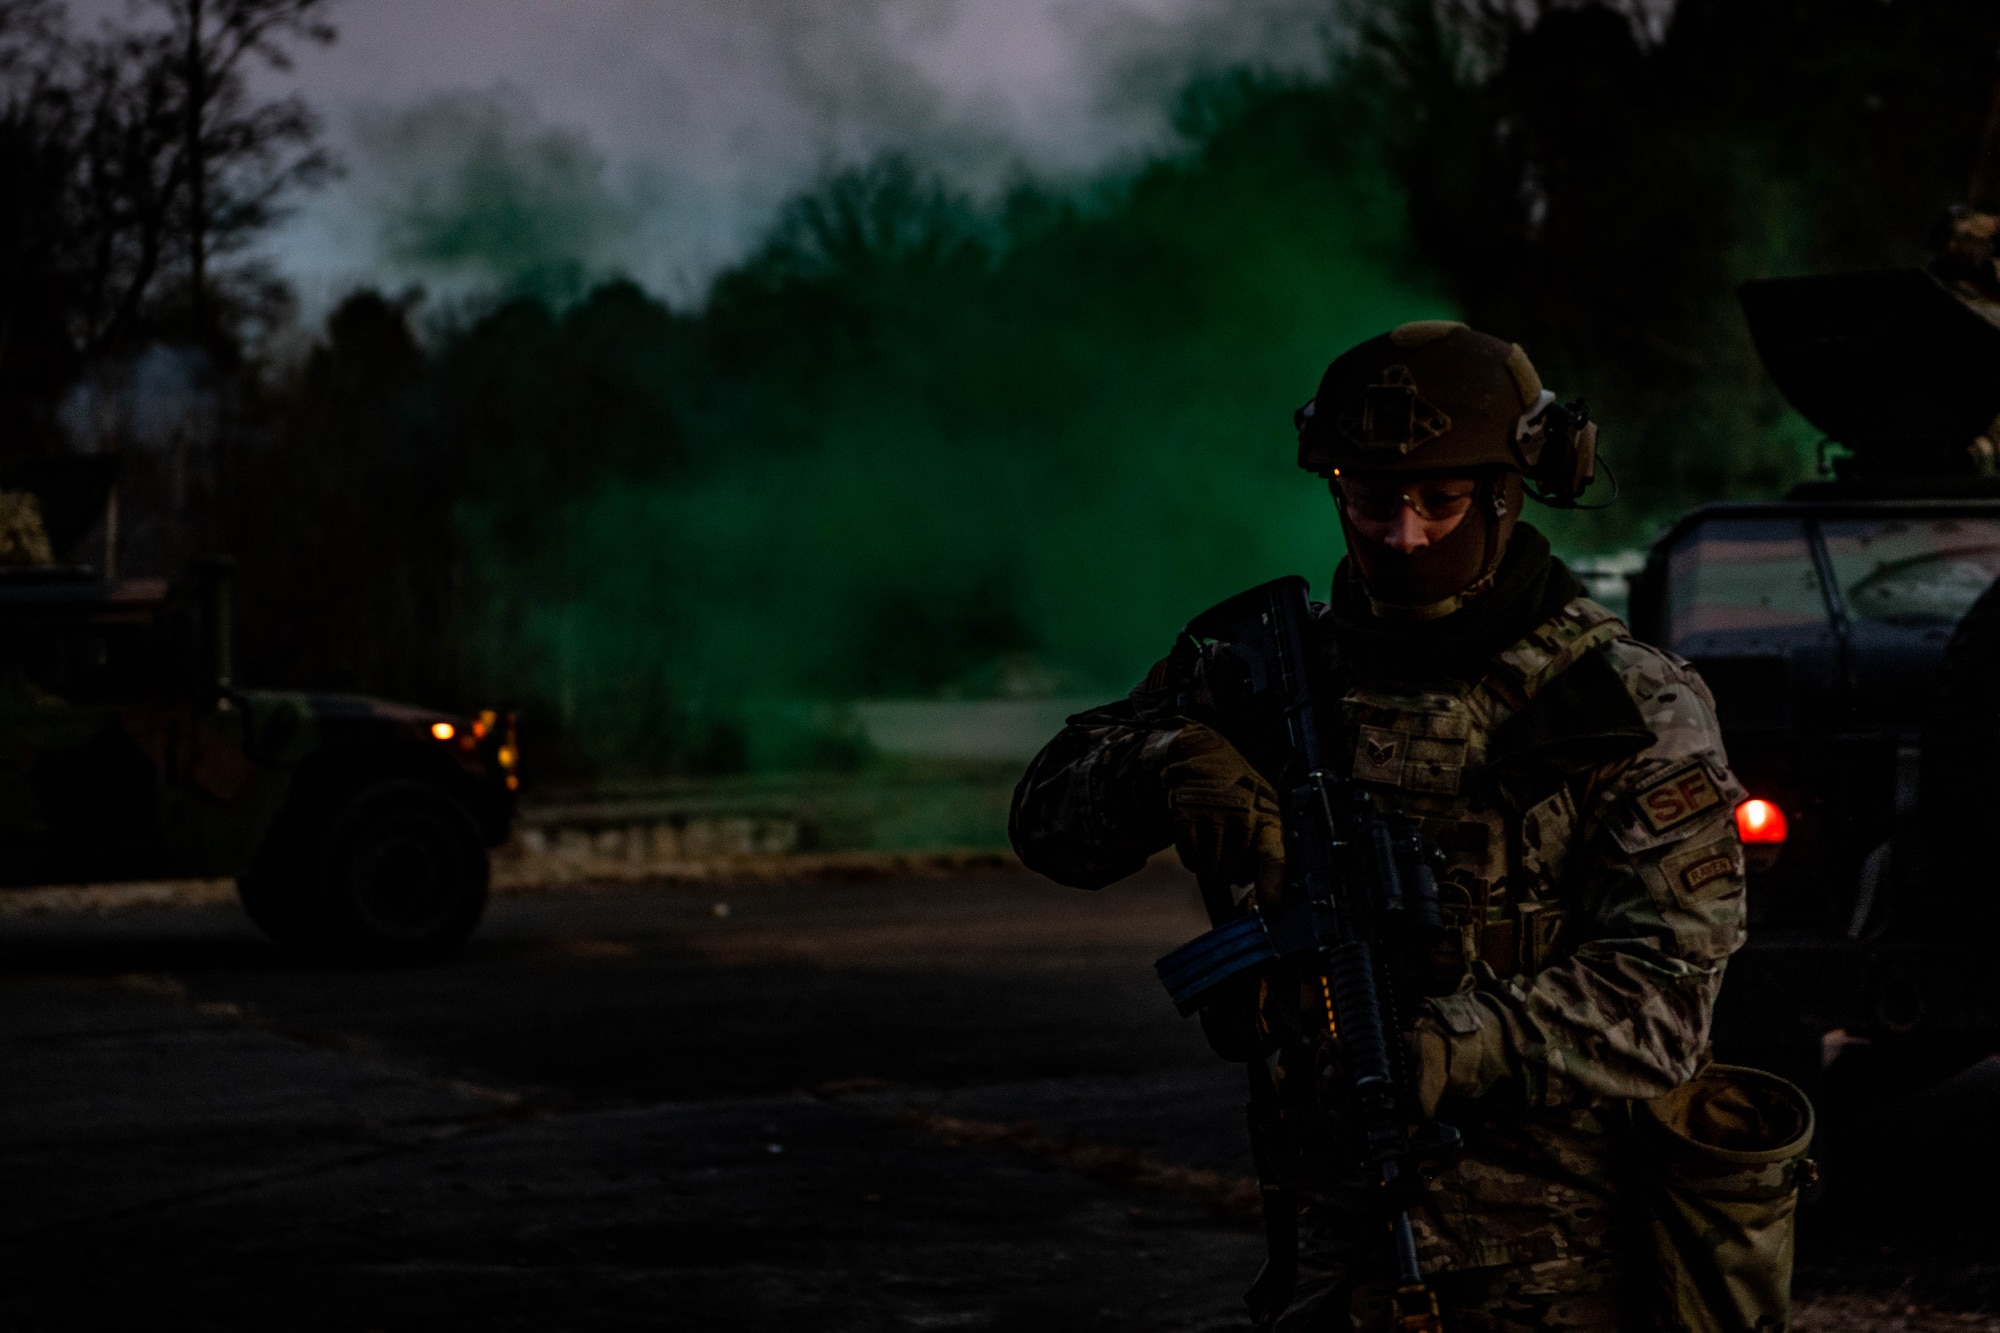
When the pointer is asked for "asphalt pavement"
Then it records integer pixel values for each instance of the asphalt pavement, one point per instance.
(920, 1104)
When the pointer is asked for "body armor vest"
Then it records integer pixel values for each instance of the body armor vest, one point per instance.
(1422, 748)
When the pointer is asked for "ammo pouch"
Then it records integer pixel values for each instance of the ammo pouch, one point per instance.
(1717, 1167)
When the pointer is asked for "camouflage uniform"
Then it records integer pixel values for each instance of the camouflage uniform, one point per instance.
(1580, 793)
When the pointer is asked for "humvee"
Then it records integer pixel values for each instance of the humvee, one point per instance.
(354, 828)
(1852, 644)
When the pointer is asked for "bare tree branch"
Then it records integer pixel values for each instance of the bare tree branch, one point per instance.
(132, 161)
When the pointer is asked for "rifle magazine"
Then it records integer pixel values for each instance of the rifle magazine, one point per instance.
(1190, 972)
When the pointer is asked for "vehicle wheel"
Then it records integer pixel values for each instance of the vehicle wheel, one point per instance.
(277, 897)
(1960, 784)
(1893, 1066)
(1973, 654)
(398, 876)
(1877, 1083)
(405, 874)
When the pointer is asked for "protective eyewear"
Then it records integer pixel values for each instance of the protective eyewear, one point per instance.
(1382, 504)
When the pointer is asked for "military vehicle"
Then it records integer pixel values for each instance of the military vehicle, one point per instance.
(355, 828)
(1851, 640)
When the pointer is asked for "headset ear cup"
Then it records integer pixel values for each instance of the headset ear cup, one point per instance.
(1582, 461)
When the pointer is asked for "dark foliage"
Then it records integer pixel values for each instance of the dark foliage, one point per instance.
(387, 468)
(345, 519)
(1597, 194)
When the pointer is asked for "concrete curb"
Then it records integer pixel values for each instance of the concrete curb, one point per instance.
(551, 872)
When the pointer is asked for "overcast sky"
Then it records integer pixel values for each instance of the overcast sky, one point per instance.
(695, 118)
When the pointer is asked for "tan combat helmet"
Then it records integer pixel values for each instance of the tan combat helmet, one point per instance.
(1438, 398)
(1435, 396)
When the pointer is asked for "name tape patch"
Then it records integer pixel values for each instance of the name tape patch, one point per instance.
(1677, 798)
(1705, 874)
(1715, 867)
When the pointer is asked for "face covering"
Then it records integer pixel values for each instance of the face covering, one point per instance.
(1438, 579)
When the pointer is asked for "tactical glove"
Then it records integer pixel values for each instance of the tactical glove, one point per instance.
(1225, 815)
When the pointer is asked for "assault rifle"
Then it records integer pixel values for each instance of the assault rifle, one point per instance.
(1356, 880)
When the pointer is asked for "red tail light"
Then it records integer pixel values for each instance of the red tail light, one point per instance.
(1760, 822)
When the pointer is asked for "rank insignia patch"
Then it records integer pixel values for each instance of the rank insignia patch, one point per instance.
(1378, 755)
(1677, 798)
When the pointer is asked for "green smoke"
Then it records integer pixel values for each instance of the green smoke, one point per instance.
(475, 191)
(918, 443)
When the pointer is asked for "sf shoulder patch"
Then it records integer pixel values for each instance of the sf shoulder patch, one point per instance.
(1678, 797)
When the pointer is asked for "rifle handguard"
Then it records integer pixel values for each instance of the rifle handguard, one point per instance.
(1358, 879)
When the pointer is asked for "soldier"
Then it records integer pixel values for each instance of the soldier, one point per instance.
(1574, 778)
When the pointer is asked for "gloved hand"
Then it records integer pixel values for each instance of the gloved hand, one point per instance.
(1430, 1064)
(1225, 814)
(1233, 1024)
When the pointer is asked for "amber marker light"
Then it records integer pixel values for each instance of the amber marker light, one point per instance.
(444, 731)
(1760, 822)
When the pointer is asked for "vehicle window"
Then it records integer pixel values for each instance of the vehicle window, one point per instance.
(1912, 571)
(1742, 577)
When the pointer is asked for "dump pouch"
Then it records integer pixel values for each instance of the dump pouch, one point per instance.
(1717, 1165)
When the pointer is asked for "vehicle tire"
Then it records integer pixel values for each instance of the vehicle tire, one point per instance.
(1963, 749)
(1972, 658)
(399, 875)
(1882, 1079)
(1960, 783)
(277, 898)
